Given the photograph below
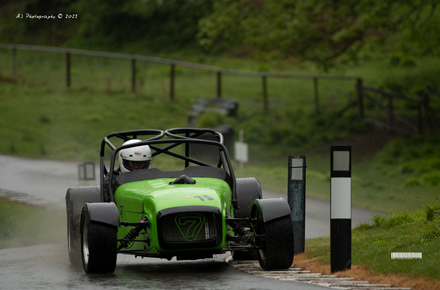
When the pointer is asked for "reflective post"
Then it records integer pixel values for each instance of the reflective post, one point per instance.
(297, 201)
(340, 208)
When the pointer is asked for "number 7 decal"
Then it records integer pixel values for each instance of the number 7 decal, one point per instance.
(190, 225)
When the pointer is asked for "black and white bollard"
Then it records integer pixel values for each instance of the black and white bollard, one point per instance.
(340, 208)
(296, 197)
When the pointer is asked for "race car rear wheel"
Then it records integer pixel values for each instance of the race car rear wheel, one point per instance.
(274, 240)
(75, 199)
(98, 246)
(73, 240)
(248, 190)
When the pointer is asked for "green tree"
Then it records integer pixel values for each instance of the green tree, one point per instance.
(327, 33)
(153, 24)
(105, 24)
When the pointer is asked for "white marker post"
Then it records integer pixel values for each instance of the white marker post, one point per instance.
(241, 150)
(340, 208)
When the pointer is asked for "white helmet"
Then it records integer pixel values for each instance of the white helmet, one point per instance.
(134, 158)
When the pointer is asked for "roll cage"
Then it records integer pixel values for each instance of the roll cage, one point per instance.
(174, 138)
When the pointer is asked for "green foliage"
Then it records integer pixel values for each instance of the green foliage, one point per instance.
(427, 221)
(431, 178)
(210, 120)
(149, 25)
(431, 231)
(412, 182)
(399, 59)
(417, 157)
(295, 128)
(433, 210)
(394, 219)
(325, 32)
(416, 83)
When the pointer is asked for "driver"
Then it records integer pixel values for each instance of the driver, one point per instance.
(130, 159)
(134, 158)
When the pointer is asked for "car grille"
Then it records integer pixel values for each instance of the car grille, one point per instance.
(195, 229)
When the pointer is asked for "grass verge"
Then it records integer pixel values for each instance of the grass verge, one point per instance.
(23, 225)
(372, 245)
(44, 119)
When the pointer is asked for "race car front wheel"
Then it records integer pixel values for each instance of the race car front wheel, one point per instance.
(274, 238)
(98, 246)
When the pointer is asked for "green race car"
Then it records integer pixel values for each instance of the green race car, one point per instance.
(199, 210)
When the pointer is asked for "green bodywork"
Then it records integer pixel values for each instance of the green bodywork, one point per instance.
(140, 199)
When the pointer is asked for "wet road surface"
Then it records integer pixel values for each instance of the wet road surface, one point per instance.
(47, 267)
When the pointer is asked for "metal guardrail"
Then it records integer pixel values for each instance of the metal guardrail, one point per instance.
(173, 63)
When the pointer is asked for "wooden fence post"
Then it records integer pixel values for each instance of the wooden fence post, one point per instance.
(172, 75)
(133, 75)
(68, 69)
(420, 118)
(360, 97)
(390, 112)
(266, 105)
(315, 88)
(14, 64)
(219, 85)
(426, 106)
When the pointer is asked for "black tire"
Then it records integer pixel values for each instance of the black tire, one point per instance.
(75, 199)
(275, 241)
(248, 190)
(98, 246)
(73, 239)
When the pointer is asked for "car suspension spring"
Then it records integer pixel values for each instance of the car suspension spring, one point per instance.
(133, 234)
(238, 229)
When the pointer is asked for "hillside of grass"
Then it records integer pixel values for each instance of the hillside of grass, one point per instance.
(43, 118)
